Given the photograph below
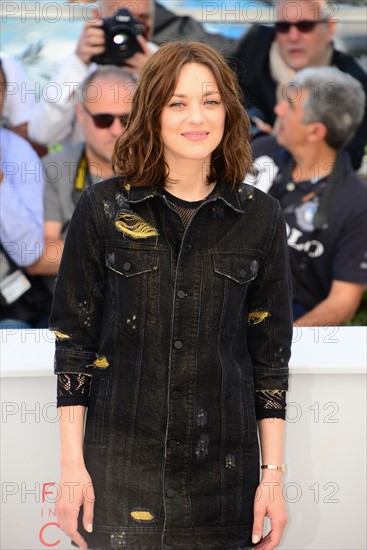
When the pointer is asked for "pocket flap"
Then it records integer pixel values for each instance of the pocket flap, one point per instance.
(237, 267)
(129, 262)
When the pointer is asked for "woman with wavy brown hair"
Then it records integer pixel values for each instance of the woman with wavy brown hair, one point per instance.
(139, 155)
(173, 327)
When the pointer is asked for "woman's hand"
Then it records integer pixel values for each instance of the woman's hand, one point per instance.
(76, 490)
(269, 503)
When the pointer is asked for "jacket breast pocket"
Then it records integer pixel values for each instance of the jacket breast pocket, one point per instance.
(132, 288)
(129, 262)
(239, 268)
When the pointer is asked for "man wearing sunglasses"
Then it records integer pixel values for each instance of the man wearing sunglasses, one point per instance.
(267, 59)
(102, 110)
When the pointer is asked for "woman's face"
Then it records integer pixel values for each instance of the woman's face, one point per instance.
(192, 122)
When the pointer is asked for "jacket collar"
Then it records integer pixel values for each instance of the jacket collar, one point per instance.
(230, 197)
(221, 192)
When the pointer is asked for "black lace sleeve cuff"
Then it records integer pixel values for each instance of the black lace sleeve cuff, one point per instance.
(270, 404)
(73, 389)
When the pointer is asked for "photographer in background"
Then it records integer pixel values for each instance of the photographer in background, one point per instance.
(92, 41)
(55, 122)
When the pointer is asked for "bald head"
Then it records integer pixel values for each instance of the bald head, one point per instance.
(102, 110)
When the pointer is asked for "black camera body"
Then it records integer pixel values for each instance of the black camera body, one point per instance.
(120, 31)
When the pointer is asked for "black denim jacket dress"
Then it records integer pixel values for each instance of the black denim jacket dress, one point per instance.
(178, 327)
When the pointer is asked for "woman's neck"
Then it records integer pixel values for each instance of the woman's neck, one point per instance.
(189, 182)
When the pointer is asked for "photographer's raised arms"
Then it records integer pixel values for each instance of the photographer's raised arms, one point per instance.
(119, 38)
(121, 32)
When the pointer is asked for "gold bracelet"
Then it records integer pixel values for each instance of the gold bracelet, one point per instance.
(272, 467)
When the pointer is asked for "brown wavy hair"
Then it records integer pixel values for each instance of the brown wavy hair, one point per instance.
(139, 152)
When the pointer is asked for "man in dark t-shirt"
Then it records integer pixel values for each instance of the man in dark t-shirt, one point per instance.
(323, 199)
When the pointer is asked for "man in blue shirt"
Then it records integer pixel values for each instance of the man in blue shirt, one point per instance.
(24, 302)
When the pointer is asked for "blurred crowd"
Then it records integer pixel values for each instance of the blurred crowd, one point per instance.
(307, 106)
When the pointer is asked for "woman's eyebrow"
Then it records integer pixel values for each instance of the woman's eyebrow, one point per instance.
(209, 92)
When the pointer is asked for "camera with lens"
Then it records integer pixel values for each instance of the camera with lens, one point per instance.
(120, 31)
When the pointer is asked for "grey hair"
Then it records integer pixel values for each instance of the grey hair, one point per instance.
(336, 99)
(104, 72)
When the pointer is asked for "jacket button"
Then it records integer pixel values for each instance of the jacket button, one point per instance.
(170, 493)
(173, 443)
(168, 541)
(243, 273)
(126, 266)
(178, 344)
(176, 394)
(181, 294)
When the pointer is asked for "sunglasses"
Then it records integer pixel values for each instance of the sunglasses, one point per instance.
(302, 26)
(104, 121)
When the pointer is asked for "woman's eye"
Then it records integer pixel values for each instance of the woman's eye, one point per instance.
(176, 104)
(212, 102)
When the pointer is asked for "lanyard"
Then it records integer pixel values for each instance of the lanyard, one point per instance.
(81, 181)
(82, 178)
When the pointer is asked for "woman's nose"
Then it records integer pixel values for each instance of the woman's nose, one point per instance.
(195, 113)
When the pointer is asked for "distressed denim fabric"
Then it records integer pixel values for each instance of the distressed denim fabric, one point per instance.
(179, 328)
